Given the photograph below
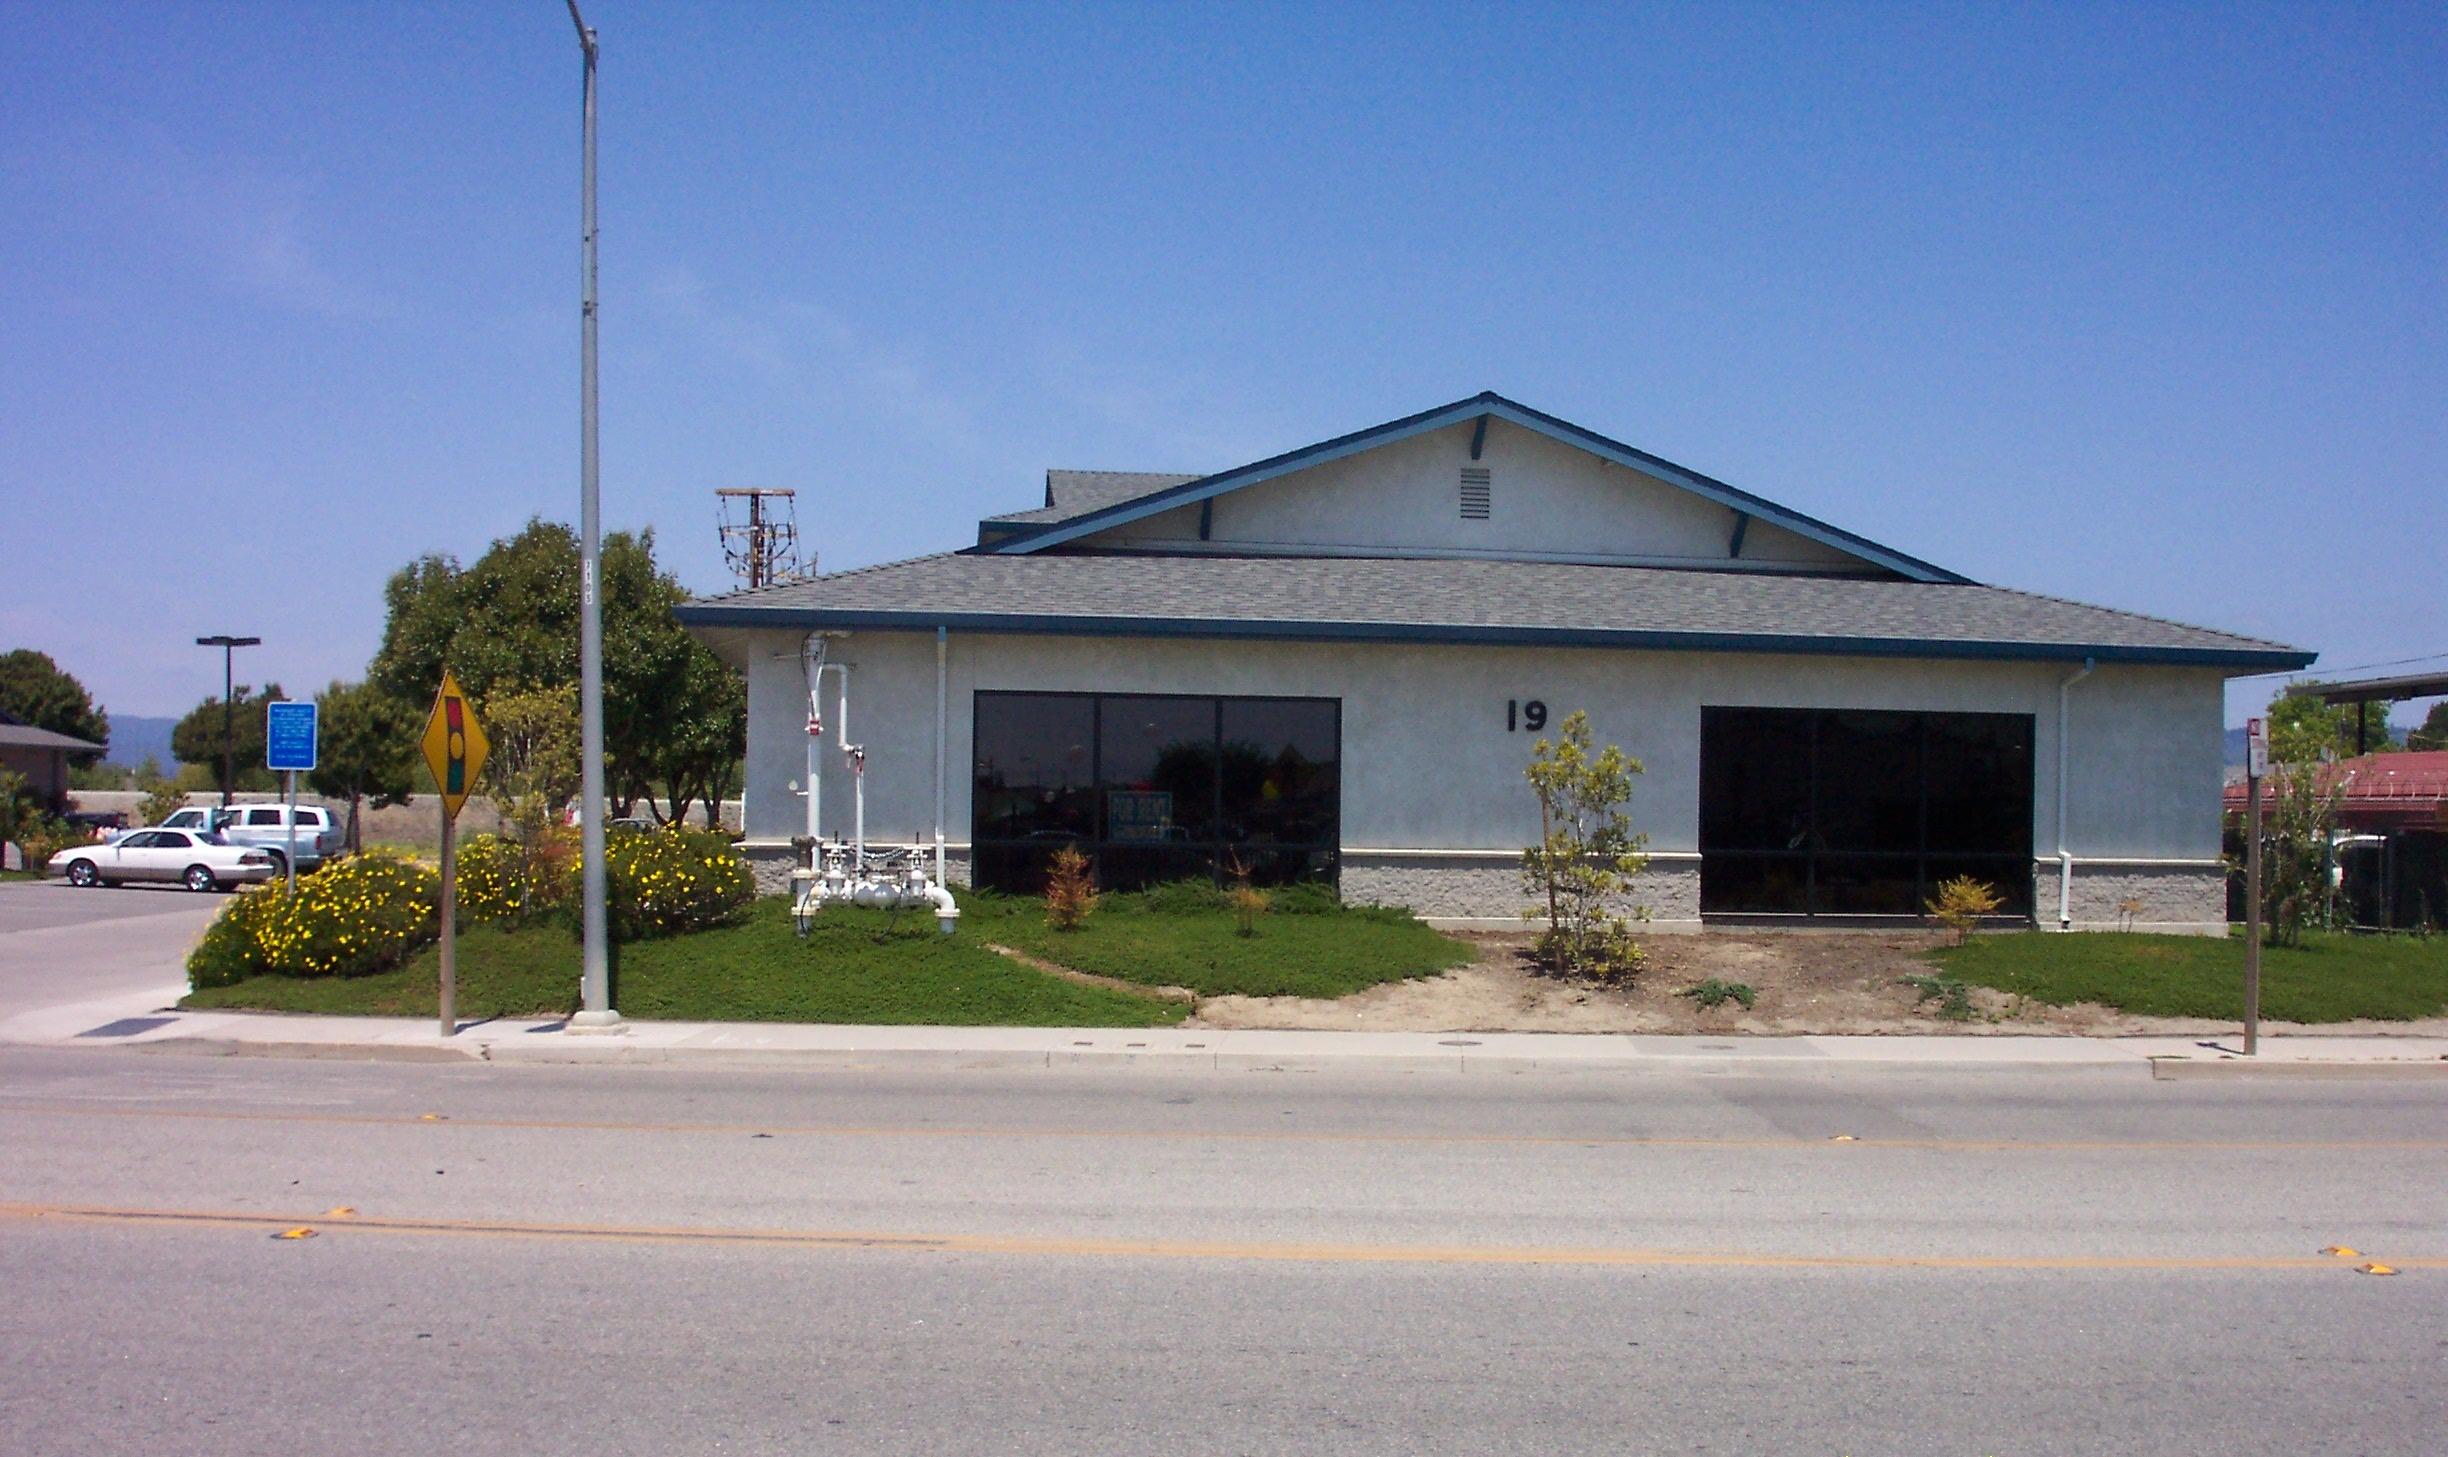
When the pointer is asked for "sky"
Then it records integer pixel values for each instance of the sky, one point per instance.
(2141, 306)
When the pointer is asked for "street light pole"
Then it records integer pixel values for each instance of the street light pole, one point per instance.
(229, 733)
(595, 979)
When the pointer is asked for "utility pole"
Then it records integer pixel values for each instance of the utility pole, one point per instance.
(764, 549)
(595, 978)
(229, 733)
(2256, 764)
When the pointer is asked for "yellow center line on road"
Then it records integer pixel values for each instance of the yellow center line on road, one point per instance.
(996, 1244)
(447, 1122)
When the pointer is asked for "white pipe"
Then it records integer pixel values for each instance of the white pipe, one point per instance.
(2065, 857)
(813, 654)
(942, 635)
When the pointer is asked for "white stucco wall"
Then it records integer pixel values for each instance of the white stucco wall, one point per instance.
(1548, 499)
(1428, 765)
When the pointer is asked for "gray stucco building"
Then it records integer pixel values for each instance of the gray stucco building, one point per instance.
(1334, 662)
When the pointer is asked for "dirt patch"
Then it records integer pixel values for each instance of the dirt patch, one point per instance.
(1091, 979)
(1833, 982)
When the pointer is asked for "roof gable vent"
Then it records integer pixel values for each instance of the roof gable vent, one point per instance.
(1477, 493)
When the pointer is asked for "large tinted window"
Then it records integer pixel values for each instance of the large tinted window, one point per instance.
(1850, 812)
(1155, 787)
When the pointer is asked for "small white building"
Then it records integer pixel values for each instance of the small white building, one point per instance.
(1333, 664)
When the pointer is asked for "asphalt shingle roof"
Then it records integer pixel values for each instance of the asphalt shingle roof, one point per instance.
(1443, 599)
(1071, 493)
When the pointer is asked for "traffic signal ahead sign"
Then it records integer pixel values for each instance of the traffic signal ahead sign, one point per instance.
(455, 746)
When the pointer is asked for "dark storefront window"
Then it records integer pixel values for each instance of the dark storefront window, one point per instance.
(1155, 787)
(1860, 813)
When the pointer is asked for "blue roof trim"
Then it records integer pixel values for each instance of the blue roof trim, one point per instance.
(711, 614)
(1477, 406)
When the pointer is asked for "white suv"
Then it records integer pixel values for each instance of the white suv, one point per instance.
(266, 827)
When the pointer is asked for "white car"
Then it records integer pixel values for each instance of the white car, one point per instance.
(180, 857)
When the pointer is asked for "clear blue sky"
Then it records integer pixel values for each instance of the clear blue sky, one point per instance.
(2138, 306)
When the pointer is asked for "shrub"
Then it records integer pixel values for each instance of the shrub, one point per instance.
(355, 916)
(1960, 903)
(229, 952)
(1954, 999)
(1714, 993)
(1305, 898)
(664, 882)
(45, 837)
(1189, 897)
(1069, 895)
(501, 877)
(161, 801)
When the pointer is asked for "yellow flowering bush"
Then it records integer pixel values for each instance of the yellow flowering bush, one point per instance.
(364, 913)
(662, 882)
(501, 877)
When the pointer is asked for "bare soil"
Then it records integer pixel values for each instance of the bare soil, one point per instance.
(1808, 982)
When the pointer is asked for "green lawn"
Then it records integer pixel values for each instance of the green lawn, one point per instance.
(6, 875)
(2328, 979)
(850, 969)
(1327, 953)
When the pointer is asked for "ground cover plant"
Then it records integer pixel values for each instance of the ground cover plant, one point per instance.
(1189, 935)
(2326, 978)
(856, 966)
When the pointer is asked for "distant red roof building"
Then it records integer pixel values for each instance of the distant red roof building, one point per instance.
(2384, 792)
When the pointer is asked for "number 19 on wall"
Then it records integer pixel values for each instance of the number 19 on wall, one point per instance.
(1519, 715)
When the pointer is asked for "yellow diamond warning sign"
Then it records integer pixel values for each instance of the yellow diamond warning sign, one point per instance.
(455, 746)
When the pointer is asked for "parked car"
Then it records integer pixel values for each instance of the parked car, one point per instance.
(98, 822)
(198, 860)
(266, 827)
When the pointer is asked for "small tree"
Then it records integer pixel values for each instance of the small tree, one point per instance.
(1960, 903)
(2296, 849)
(1070, 895)
(1586, 856)
(533, 771)
(368, 749)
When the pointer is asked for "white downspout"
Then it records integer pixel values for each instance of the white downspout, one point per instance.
(2065, 856)
(942, 636)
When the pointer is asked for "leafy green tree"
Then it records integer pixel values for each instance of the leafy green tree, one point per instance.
(366, 749)
(1587, 853)
(511, 619)
(2302, 728)
(36, 690)
(2434, 731)
(196, 739)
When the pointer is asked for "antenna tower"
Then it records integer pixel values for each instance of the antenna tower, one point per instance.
(760, 534)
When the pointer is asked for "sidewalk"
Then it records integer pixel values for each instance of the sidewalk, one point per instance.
(142, 1023)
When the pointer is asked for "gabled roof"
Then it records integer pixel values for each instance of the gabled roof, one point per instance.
(1037, 535)
(1073, 493)
(1447, 600)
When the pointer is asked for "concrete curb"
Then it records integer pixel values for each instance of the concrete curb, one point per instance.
(2237, 1069)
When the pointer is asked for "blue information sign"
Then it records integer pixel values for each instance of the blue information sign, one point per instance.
(289, 736)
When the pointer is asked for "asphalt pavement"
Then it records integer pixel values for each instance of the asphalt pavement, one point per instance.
(1782, 1258)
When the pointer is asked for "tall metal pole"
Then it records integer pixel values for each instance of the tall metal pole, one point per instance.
(2252, 907)
(595, 980)
(229, 733)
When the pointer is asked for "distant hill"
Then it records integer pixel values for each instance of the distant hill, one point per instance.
(131, 738)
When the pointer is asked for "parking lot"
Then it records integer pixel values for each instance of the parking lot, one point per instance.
(69, 954)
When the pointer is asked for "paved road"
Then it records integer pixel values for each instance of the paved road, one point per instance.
(611, 1260)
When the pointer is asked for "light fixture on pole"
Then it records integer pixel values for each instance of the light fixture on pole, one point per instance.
(595, 1012)
(229, 733)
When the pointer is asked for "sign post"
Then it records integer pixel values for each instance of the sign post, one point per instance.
(455, 750)
(2256, 764)
(290, 735)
